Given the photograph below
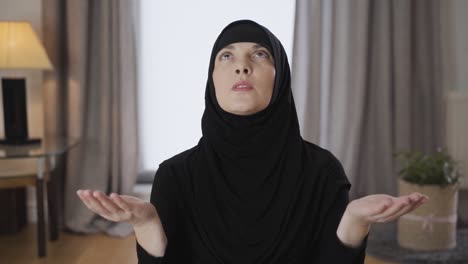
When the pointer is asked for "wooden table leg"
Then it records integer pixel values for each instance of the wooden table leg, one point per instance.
(59, 179)
(40, 209)
(52, 200)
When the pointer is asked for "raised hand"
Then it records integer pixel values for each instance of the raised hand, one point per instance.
(381, 208)
(361, 213)
(142, 215)
(118, 208)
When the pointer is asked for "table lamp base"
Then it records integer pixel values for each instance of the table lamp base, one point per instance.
(15, 113)
(27, 141)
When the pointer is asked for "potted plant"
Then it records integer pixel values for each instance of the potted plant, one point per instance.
(432, 226)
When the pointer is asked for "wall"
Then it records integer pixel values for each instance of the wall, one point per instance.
(31, 11)
(175, 47)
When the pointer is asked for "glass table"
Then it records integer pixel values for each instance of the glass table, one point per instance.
(46, 154)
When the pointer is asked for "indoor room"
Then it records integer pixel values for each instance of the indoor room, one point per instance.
(214, 131)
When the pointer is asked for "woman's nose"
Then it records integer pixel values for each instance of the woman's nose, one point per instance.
(243, 67)
(244, 70)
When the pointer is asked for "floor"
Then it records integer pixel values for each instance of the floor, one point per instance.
(70, 249)
(76, 249)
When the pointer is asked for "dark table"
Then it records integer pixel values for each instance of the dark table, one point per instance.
(46, 154)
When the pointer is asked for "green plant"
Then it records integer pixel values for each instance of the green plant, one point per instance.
(436, 169)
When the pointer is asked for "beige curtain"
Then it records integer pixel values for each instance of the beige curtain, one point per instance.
(367, 78)
(92, 95)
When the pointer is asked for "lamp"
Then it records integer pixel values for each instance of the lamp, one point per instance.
(20, 48)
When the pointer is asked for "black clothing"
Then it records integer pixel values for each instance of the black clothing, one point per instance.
(251, 191)
(186, 247)
(242, 32)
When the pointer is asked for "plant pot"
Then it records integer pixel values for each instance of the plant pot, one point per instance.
(432, 226)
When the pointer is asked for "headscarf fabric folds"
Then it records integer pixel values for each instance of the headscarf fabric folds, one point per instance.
(257, 193)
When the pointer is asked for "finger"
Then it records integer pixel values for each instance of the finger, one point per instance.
(422, 200)
(83, 199)
(79, 193)
(414, 201)
(96, 206)
(120, 202)
(381, 206)
(415, 196)
(107, 202)
(418, 197)
(392, 210)
(413, 205)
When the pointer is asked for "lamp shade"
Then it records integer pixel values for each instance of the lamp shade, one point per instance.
(20, 47)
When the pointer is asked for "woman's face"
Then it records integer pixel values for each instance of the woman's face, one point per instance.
(244, 76)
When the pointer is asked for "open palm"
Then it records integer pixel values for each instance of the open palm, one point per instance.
(117, 207)
(381, 208)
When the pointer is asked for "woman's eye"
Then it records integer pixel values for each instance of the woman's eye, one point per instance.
(225, 56)
(261, 54)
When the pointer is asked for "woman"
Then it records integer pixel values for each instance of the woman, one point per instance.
(252, 190)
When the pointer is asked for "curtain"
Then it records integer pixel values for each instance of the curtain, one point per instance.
(367, 76)
(92, 96)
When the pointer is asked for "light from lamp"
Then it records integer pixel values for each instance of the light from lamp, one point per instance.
(20, 47)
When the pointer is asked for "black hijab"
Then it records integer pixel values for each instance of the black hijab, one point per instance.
(257, 193)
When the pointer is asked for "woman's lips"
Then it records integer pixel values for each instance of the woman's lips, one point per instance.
(242, 86)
